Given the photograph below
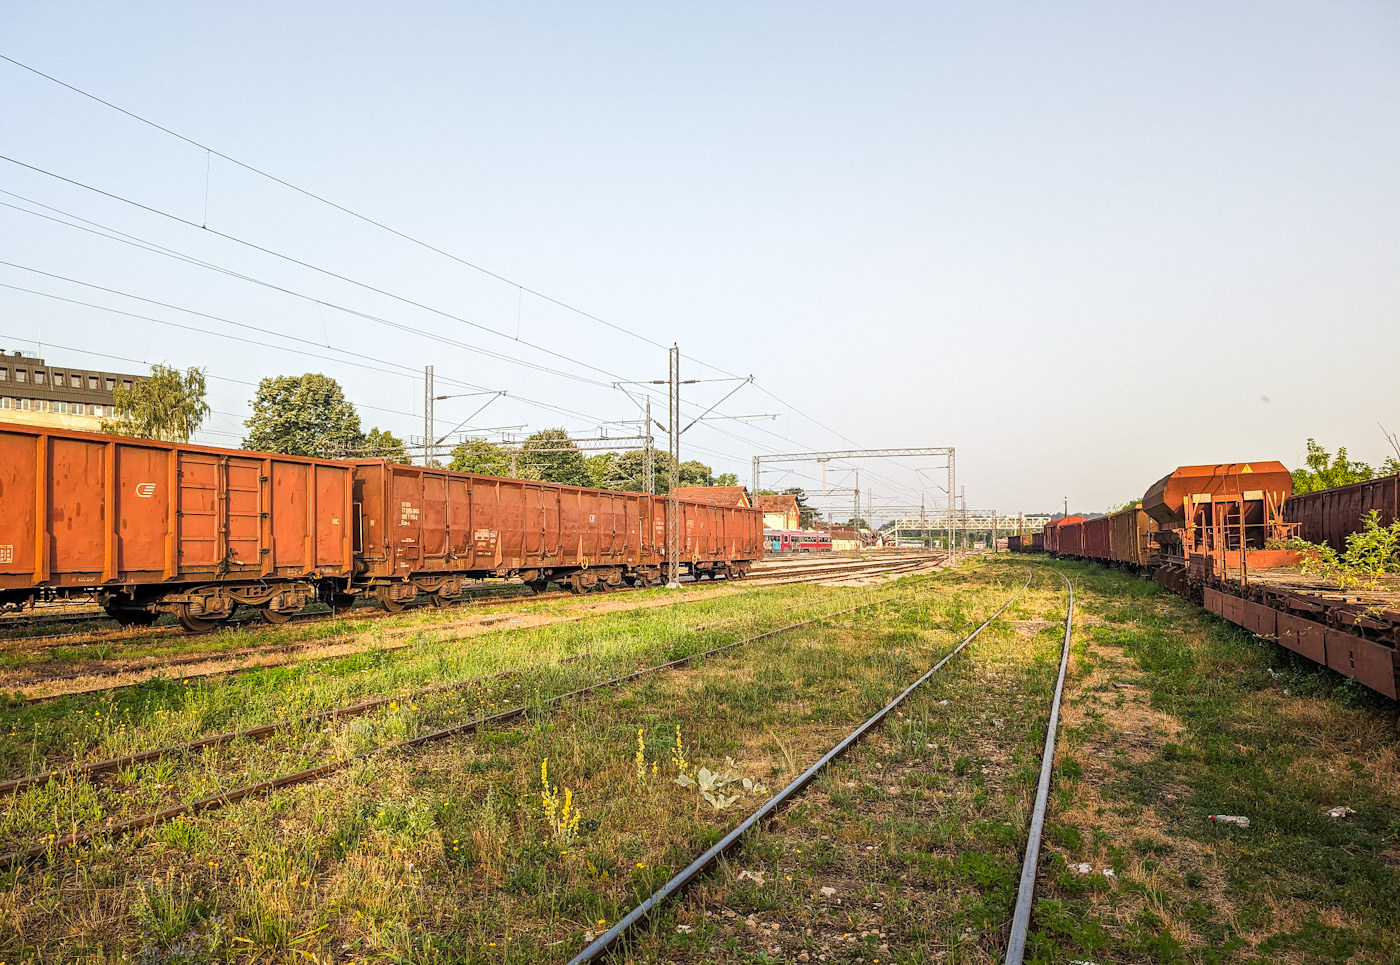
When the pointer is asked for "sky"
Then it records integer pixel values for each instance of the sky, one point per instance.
(1083, 243)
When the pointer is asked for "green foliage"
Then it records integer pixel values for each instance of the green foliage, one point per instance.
(693, 472)
(303, 415)
(169, 405)
(383, 444)
(727, 479)
(1371, 553)
(551, 456)
(1327, 472)
(807, 516)
(602, 470)
(481, 457)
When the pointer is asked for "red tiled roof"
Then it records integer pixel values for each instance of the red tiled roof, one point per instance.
(718, 495)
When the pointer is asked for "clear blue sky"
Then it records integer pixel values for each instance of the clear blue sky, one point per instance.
(1084, 243)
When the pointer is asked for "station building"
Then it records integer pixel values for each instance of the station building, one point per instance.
(35, 393)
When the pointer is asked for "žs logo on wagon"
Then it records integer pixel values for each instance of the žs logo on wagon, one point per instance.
(145, 490)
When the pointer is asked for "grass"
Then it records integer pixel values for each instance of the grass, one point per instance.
(905, 851)
(375, 843)
(1177, 715)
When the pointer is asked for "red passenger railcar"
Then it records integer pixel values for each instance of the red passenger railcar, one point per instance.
(147, 526)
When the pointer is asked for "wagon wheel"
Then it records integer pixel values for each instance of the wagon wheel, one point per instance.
(441, 600)
(539, 586)
(196, 624)
(575, 588)
(389, 604)
(275, 617)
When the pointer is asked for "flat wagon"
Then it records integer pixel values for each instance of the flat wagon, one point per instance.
(147, 526)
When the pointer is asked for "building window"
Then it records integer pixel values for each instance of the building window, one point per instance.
(39, 377)
(126, 384)
(24, 405)
(97, 410)
(4, 375)
(61, 408)
(21, 375)
(75, 381)
(92, 382)
(5, 402)
(111, 384)
(45, 405)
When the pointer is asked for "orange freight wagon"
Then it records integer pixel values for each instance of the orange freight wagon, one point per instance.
(425, 530)
(148, 526)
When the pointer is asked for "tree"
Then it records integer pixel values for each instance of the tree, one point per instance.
(481, 457)
(169, 405)
(303, 415)
(807, 517)
(551, 456)
(1327, 472)
(857, 523)
(383, 444)
(602, 470)
(693, 472)
(727, 479)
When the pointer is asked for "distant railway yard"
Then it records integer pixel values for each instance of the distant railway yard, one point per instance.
(511, 779)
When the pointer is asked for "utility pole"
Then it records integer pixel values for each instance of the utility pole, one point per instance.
(994, 532)
(428, 428)
(673, 506)
(648, 464)
(952, 475)
(855, 517)
(1066, 516)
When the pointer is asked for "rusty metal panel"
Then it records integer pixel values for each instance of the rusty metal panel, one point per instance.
(243, 501)
(434, 520)
(406, 521)
(1096, 538)
(291, 516)
(1260, 619)
(142, 508)
(332, 517)
(1330, 515)
(1303, 636)
(1213, 600)
(77, 476)
(1163, 500)
(1371, 663)
(459, 495)
(198, 509)
(18, 507)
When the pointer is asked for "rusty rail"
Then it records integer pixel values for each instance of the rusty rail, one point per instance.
(604, 943)
(211, 802)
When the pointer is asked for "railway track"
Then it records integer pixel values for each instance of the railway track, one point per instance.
(883, 568)
(22, 642)
(128, 825)
(603, 945)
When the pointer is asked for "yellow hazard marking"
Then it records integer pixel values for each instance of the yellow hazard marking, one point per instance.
(1246, 468)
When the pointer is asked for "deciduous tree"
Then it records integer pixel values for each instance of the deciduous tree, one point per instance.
(169, 405)
(303, 415)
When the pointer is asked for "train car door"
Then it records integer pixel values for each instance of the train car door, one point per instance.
(407, 522)
(434, 522)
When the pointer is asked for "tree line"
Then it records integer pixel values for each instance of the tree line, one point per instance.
(308, 415)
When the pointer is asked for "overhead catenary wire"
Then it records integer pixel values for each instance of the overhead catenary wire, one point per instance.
(394, 231)
(210, 152)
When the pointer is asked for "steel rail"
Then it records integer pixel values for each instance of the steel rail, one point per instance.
(601, 945)
(1021, 918)
(293, 649)
(359, 708)
(214, 801)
